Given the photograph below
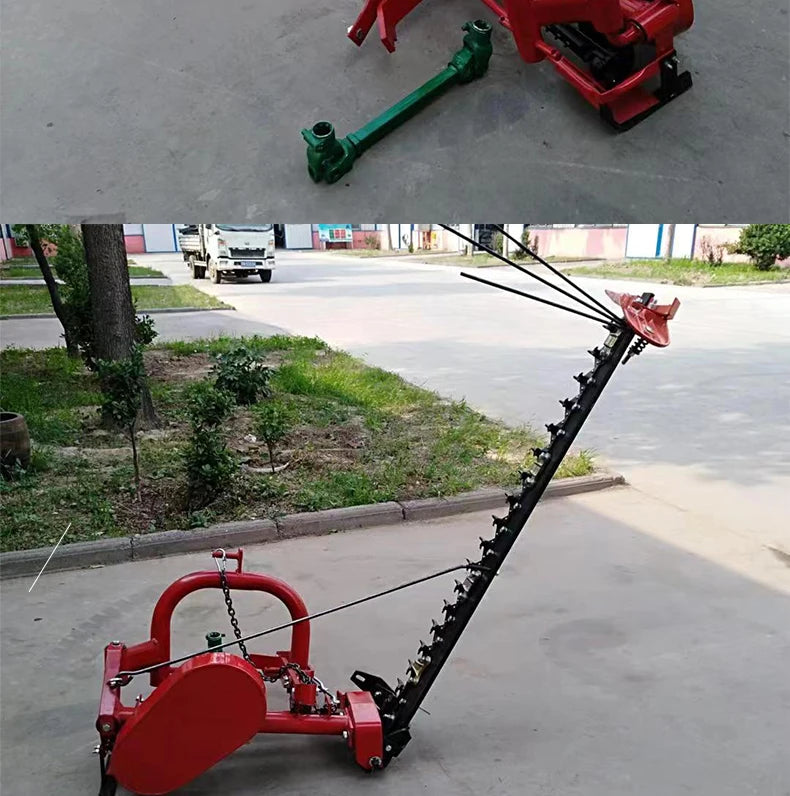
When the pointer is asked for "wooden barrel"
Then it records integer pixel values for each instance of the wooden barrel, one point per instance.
(14, 442)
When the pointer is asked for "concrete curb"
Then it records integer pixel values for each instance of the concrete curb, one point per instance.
(79, 555)
(160, 311)
(751, 284)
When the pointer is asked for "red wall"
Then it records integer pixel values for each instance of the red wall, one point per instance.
(135, 244)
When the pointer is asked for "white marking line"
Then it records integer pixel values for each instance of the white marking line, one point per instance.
(50, 556)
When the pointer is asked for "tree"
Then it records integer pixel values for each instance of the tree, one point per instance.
(272, 422)
(34, 238)
(764, 244)
(111, 300)
(123, 384)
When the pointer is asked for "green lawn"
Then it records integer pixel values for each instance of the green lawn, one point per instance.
(360, 435)
(28, 299)
(33, 272)
(683, 272)
(487, 261)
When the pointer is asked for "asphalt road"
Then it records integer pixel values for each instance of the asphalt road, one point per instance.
(606, 660)
(144, 111)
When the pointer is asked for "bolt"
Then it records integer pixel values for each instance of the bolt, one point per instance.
(106, 727)
(345, 735)
(375, 762)
(116, 643)
(387, 748)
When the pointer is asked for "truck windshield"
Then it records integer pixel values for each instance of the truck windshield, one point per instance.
(244, 228)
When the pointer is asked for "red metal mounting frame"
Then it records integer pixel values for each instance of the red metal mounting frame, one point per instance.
(357, 720)
(622, 22)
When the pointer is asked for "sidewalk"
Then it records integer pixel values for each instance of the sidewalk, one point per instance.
(623, 649)
(46, 332)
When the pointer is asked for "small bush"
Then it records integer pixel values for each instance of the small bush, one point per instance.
(208, 406)
(530, 243)
(764, 244)
(210, 466)
(498, 243)
(372, 242)
(241, 372)
(272, 423)
(712, 253)
(144, 331)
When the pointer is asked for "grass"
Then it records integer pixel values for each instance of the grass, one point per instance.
(487, 261)
(26, 299)
(33, 272)
(359, 435)
(683, 272)
(142, 271)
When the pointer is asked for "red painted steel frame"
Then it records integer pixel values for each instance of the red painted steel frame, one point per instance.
(623, 22)
(358, 718)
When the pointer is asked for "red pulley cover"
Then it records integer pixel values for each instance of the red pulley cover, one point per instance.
(205, 710)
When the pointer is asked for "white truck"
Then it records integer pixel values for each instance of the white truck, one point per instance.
(228, 250)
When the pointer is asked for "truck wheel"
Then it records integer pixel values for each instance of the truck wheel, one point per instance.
(216, 276)
(266, 276)
(192, 267)
(200, 272)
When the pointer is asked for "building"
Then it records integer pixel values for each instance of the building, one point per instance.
(587, 241)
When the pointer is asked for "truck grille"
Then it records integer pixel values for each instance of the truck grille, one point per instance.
(248, 254)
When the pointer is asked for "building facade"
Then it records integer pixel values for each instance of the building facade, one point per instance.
(558, 241)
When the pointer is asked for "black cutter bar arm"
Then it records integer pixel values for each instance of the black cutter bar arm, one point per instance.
(397, 706)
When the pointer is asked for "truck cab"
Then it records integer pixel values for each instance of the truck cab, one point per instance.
(228, 250)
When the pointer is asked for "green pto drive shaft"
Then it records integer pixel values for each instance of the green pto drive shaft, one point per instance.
(329, 158)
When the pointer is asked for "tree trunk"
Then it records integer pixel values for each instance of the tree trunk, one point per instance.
(111, 299)
(52, 287)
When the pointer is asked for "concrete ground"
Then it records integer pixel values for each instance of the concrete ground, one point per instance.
(623, 650)
(176, 110)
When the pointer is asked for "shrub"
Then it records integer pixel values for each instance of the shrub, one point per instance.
(241, 372)
(272, 423)
(530, 243)
(210, 466)
(764, 244)
(712, 253)
(498, 242)
(372, 242)
(122, 383)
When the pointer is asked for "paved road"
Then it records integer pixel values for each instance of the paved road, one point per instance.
(620, 652)
(47, 332)
(216, 129)
(703, 425)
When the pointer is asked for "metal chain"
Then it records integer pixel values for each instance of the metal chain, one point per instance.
(332, 703)
(232, 611)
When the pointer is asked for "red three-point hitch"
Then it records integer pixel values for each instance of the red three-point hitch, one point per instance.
(204, 709)
(613, 52)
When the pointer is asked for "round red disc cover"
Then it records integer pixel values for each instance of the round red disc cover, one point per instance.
(205, 710)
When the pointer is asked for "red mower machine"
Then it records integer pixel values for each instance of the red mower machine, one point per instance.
(618, 54)
(209, 703)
